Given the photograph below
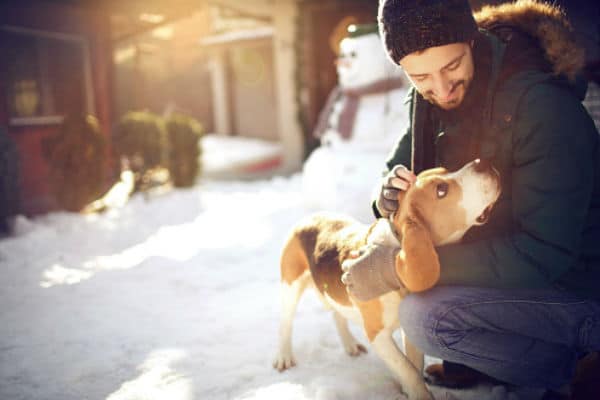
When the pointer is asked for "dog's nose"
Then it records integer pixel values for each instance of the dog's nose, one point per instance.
(482, 165)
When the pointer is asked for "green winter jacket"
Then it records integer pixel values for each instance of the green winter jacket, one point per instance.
(545, 229)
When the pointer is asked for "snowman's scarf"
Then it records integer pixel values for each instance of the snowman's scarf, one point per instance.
(351, 102)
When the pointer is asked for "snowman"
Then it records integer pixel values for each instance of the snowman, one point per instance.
(364, 117)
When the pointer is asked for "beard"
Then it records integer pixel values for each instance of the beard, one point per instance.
(459, 87)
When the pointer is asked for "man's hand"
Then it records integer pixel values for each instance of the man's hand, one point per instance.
(371, 272)
(399, 178)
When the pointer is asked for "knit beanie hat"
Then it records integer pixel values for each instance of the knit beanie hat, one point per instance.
(407, 26)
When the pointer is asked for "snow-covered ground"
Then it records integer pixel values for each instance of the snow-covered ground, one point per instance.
(172, 297)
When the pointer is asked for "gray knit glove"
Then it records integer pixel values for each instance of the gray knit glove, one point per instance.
(399, 178)
(372, 273)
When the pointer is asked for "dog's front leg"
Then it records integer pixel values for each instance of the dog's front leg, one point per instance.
(415, 355)
(410, 378)
(351, 345)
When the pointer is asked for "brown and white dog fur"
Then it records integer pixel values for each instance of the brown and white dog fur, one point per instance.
(437, 209)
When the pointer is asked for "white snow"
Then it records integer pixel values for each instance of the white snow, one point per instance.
(172, 297)
(235, 156)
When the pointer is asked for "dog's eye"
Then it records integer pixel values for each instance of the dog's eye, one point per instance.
(441, 190)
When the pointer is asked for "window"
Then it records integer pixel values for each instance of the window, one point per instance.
(46, 76)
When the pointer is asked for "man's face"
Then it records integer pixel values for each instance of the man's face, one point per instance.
(441, 74)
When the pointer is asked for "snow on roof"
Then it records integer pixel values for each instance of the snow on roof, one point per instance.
(239, 36)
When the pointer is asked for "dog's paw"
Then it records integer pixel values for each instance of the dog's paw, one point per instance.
(355, 349)
(283, 362)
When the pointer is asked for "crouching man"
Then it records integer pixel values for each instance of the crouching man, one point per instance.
(518, 300)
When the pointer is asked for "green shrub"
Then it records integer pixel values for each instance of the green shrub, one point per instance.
(140, 137)
(184, 135)
(77, 159)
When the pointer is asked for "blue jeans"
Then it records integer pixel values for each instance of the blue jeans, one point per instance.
(523, 337)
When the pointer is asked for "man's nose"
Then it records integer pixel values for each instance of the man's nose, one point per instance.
(442, 87)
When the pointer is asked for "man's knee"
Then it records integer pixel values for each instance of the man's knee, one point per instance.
(418, 315)
(417, 321)
(413, 311)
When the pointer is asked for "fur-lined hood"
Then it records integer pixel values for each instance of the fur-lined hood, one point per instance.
(545, 22)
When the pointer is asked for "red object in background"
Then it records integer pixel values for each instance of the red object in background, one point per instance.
(264, 165)
(37, 87)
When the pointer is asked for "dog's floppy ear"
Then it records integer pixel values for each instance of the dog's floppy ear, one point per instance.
(417, 264)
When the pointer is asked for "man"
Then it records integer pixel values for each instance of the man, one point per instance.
(518, 299)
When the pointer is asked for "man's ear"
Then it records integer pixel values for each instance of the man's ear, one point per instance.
(417, 264)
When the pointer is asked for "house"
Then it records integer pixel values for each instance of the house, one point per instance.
(56, 59)
(272, 67)
(163, 69)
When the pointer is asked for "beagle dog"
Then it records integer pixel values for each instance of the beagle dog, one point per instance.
(437, 209)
